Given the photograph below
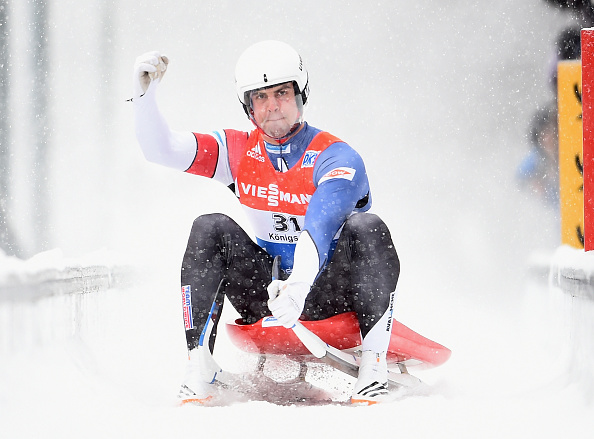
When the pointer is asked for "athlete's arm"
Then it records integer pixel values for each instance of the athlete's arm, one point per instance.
(200, 154)
(341, 180)
(158, 142)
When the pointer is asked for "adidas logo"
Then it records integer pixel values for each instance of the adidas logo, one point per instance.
(256, 153)
(374, 389)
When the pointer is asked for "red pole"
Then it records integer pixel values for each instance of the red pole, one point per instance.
(587, 38)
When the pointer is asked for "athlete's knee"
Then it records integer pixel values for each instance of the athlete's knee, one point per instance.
(212, 224)
(364, 223)
(368, 227)
(370, 236)
(211, 221)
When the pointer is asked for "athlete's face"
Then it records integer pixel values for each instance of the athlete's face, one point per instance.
(275, 109)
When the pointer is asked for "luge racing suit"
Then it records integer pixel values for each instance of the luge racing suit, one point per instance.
(314, 184)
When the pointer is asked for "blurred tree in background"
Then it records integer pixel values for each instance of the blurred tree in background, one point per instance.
(7, 236)
(37, 29)
(40, 127)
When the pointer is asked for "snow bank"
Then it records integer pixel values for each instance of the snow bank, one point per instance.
(572, 298)
(572, 270)
(50, 273)
(45, 300)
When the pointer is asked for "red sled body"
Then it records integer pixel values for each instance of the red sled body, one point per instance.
(342, 332)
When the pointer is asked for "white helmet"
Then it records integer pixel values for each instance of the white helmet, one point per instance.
(269, 63)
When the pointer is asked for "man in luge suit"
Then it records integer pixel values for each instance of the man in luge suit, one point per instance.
(307, 195)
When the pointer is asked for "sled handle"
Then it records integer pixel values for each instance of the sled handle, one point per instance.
(311, 341)
(276, 267)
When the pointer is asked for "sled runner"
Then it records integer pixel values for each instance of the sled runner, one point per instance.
(334, 341)
(338, 340)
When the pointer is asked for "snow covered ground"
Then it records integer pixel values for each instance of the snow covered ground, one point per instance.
(437, 97)
(116, 374)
